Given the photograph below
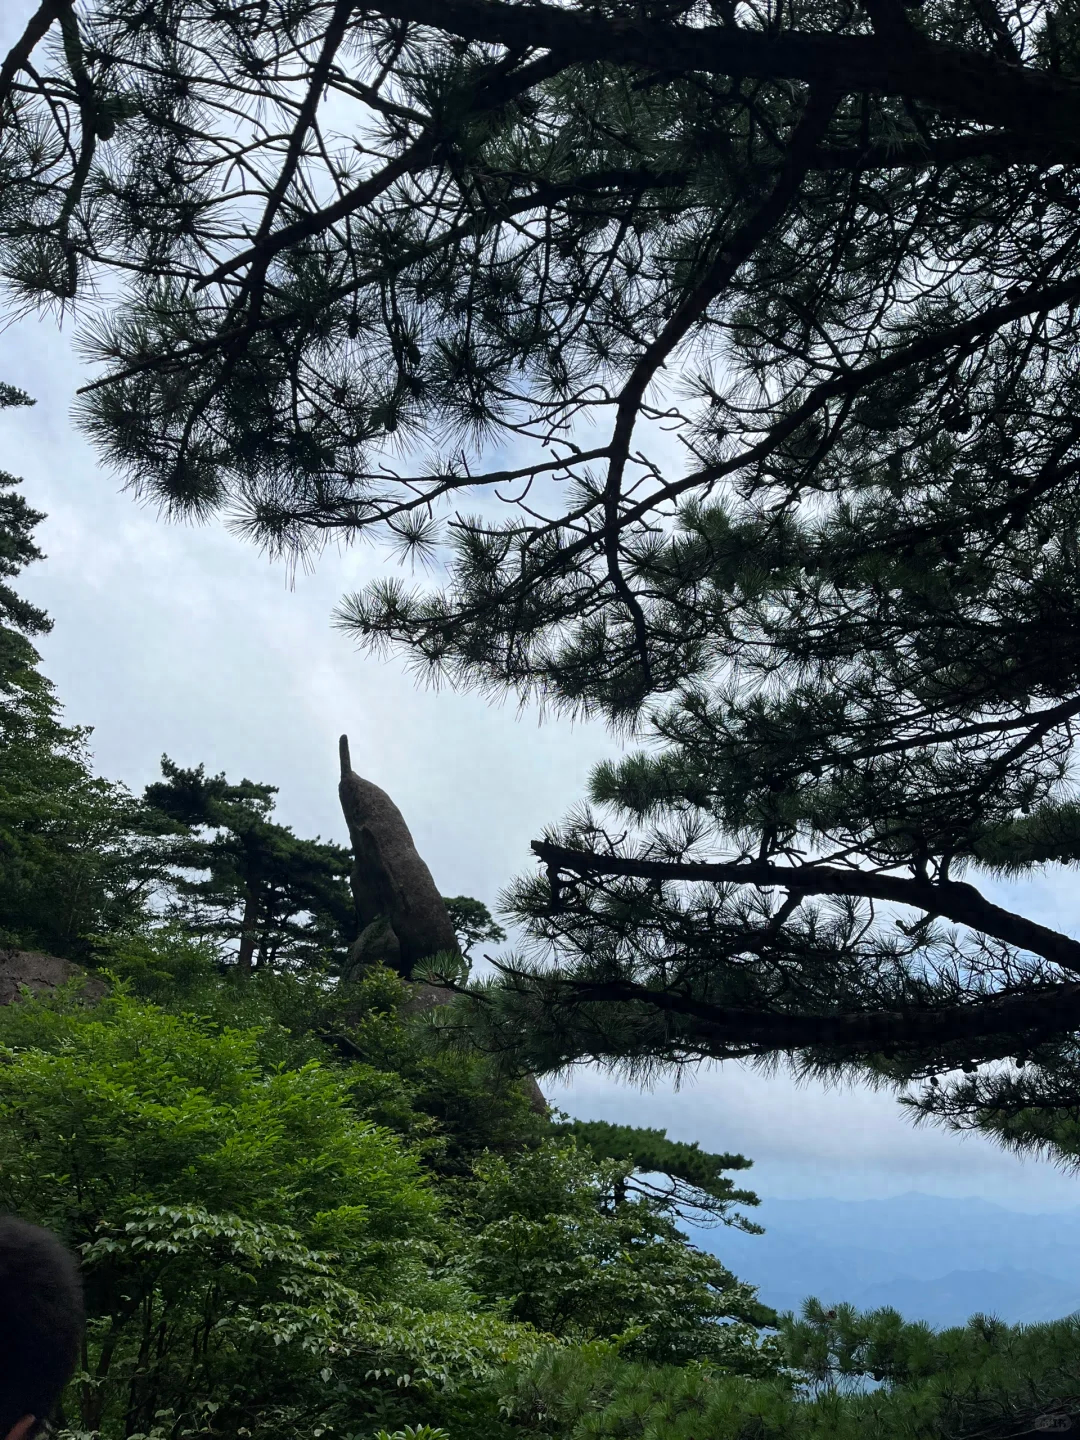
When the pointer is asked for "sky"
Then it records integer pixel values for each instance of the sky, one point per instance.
(186, 641)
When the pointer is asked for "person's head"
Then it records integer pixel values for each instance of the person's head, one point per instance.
(41, 1322)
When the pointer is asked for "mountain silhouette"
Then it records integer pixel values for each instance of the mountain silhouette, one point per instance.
(930, 1257)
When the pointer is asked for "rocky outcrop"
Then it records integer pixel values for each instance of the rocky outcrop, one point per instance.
(34, 971)
(399, 910)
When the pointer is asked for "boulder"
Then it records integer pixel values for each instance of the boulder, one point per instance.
(37, 972)
(401, 916)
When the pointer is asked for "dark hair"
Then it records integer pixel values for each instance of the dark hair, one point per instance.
(41, 1320)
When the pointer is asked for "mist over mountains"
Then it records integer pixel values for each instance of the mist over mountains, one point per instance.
(932, 1258)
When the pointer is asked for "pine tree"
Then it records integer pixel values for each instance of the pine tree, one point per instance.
(22, 687)
(726, 358)
(674, 1175)
(75, 861)
(272, 900)
(473, 923)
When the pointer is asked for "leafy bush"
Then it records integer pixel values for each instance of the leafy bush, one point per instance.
(258, 1258)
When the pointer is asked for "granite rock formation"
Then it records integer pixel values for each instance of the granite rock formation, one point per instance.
(401, 915)
(37, 972)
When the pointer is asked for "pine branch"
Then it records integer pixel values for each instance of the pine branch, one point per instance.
(499, 91)
(320, 73)
(959, 82)
(730, 1032)
(950, 899)
(1039, 721)
(37, 27)
(731, 253)
(919, 155)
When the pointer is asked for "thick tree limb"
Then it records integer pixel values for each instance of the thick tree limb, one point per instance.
(958, 82)
(951, 899)
(37, 27)
(1011, 1017)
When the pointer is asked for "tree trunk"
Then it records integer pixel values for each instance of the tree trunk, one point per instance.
(248, 935)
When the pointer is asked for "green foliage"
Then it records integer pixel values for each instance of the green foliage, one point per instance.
(984, 1379)
(556, 1236)
(451, 1099)
(1050, 834)
(838, 1348)
(149, 1107)
(472, 922)
(297, 1209)
(255, 1254)
(17, 547)
(696, 1187)
(592, 1391)
(73, 860)
(423, 1432)
(26, 701)
(1015, 1368)
(248, 882)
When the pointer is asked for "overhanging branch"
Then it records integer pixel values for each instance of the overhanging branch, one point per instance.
(1053, 1010)
(951, 899)
(961, 83)
(37, 27)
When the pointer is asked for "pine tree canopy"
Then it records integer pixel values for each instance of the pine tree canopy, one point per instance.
(246, 881)
(18, 618)
(674, 1174)
(722, 358)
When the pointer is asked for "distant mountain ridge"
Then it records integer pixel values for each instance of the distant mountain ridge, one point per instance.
(930, 1257)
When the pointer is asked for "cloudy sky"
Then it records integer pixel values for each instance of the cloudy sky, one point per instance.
(185, 641)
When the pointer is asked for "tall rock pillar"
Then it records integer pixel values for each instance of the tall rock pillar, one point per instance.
(400, 912)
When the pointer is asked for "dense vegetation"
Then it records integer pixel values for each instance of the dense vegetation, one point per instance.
(300, 1214)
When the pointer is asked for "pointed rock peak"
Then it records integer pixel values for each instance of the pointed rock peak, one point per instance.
(343, 751)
